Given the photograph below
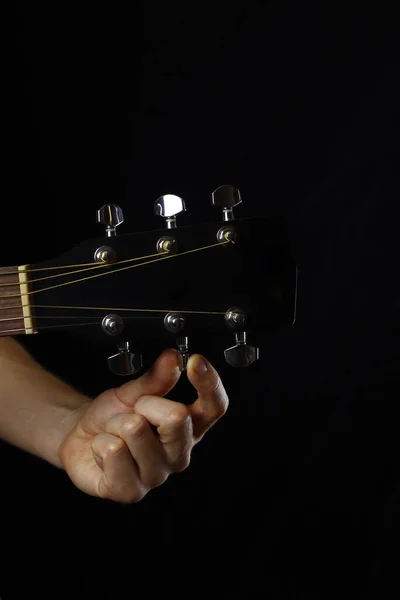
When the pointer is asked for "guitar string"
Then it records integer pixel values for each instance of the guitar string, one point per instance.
(152, 310)
(69, 317)
(96, 264)
(49, 327)
(94, 321)
(107, 309)
(124, 309)
(169, 256)
(68, 325)
(48, 268)
(80, 270)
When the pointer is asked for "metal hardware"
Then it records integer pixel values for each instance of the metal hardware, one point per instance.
(111, 216)
(240, 355)
(112, 324)
(167, 244)
(125, 362)
(183, 346)
(226, 234)
(105, 254)
(235, 318)
(175, 323)
(226, 196)
(169, 206)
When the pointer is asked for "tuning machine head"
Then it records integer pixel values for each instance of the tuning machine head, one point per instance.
(169, 206)
(241, 354)
(226, 196)
(111, 216)
(125, 362)
(175, 323)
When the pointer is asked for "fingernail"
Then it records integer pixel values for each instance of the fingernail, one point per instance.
(200, 365)
(178, 358)
(97, 458)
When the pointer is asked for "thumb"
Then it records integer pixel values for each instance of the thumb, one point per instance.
(212, 401)
(157, 381)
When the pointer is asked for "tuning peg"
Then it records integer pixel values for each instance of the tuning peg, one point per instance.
(183, 346)
(111, 216)
(175, 323)
(169, 206)
(226, 196)
(240, 355)
(125, 362)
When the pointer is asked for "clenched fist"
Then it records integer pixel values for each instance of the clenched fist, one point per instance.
(130, 439)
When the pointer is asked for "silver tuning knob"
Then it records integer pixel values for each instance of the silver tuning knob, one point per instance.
(240, 355)
(169, 206)
(226, 196)
(125, 362)
(111, 216)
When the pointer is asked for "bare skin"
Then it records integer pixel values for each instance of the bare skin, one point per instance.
(120, 445)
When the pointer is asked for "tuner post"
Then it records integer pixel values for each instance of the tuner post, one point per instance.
(241, 354)
(236, 318)
(105, 254)
(112, 324)
(167, 245)
(227, 234)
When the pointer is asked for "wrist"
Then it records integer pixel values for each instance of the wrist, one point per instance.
(66, 421)
(37, 409)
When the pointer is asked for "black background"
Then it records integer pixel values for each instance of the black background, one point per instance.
(295, 492)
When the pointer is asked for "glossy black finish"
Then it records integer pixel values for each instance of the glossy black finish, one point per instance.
(256, 274)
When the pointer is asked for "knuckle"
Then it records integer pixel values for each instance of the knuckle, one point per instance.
(126, 495)
(132, 496)
(182, 463)
(220, 410)
(178, 416)
(136, 426)
(113, 448)
(157, 479)
(223, 401)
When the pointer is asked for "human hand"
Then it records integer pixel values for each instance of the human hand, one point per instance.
(130, 439)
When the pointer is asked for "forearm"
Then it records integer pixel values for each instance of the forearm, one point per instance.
(37, 409)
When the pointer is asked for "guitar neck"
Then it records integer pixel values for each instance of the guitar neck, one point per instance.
(16, 312)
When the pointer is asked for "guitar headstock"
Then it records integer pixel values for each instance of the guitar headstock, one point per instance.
(226, 282)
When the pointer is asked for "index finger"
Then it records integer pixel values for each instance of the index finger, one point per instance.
(212, 402)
